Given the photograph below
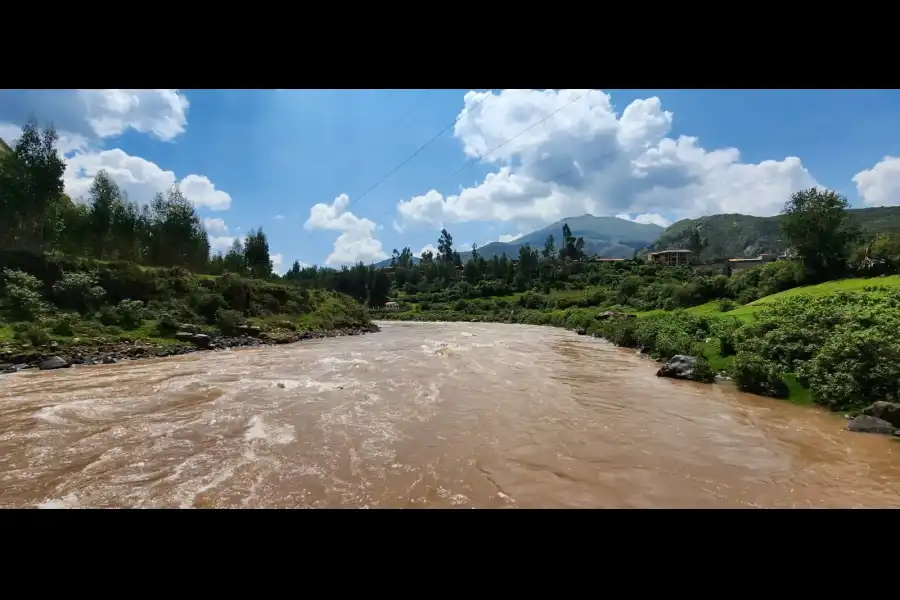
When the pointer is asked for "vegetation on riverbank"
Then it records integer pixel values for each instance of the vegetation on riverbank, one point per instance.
(813, 329)
(105, 275)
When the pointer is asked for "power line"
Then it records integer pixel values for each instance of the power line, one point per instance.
(419, 150)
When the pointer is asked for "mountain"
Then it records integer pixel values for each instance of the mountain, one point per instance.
(736, 235)
(4, 147)
(606, 237)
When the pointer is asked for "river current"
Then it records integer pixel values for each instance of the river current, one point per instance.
(422, 415)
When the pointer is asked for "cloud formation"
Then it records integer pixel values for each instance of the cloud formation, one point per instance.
(589, 158)
(161, 114)
(356, 241)
(85, 117)
(880, 185)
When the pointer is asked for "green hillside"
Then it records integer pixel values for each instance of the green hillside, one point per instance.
(736, 235)
(4, 147)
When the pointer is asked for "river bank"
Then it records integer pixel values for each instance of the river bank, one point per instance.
(708, 349)
(91, 352)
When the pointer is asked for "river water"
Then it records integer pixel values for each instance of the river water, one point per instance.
(422, 415)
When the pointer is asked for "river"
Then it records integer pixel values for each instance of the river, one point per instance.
(422, 415)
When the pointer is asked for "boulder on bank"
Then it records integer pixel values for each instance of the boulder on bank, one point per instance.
(248, 330)
(581, 331)
(870, 424)
(887, 411)
(686, 367)
(201, 340)
(54, 362)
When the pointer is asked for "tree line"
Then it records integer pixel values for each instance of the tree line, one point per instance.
(39, 217)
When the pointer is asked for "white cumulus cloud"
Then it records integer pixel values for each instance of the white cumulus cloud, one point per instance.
(98, 114)
(215, 226)
(509, 237)
(160, 113)
(427, 248)
(647, 218)
(355, 242)
(140, 178)
(880, 185)
(278, 263)
(591, 158)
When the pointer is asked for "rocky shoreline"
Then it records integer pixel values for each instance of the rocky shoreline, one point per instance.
(56, 356)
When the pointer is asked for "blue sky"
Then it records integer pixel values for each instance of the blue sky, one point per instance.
(296, 161)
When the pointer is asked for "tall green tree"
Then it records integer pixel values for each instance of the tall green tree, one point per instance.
(445, 247)
(31, 185)
(549, 250)
(256, 254)
(814, 226)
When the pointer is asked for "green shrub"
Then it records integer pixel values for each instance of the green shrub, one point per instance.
(21, 297)
(64, 324)
(855, 368)
(756, 375)
(129, 314)
(31, 333)
(726, 305)
(79, 291)
(228, 321)
(166, 324)
(702, 370)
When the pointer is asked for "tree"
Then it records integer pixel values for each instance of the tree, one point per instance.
(573, 248)
(234, 261)
(695, 243)
(549, 247)
(256, 254)
(105, 199)
(445, 247)
(31, 184)
(813, 225)
(475, 255)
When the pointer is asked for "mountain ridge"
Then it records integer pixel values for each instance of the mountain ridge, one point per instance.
(730, 235)
(606, 237)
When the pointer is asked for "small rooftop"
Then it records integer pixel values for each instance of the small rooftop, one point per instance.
(679, 251)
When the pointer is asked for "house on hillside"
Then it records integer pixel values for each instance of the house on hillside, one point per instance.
(391, 305)
(739, 264)
(672, 258)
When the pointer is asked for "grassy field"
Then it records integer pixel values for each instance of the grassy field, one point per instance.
(747, 311)
(823, 289)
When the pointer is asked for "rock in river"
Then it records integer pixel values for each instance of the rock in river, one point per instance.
(54, 362)
(201, 340)
(680, 366)
(889, 411)
(870, 424)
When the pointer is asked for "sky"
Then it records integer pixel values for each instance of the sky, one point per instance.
(318, 169)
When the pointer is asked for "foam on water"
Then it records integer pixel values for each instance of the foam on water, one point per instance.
(258, 429)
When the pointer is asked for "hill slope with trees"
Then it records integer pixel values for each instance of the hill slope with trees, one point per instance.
(736, 235)
(106, 277)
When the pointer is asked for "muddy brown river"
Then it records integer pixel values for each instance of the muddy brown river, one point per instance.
(422, 415)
